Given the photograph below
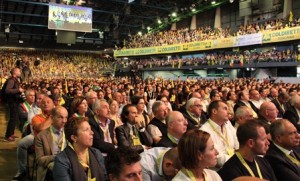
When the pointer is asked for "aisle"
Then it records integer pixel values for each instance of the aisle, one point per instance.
(8, 158)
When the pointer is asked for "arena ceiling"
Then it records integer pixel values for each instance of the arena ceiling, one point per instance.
(114, 19)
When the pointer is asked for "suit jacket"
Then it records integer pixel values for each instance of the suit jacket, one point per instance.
(292, 115)
(191, 122)
(165, 142)
(98, 139)
(280, 110)
(240, 103)
(44, 152)
(124, 138)
(62, 170)
(283, 167)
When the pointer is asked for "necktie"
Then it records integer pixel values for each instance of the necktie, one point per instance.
(133, 130)
(59, 139)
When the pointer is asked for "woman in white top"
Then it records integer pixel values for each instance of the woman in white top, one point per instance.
(196, 153)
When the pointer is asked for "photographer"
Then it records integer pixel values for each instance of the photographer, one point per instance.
(13, 93)
(26, 72)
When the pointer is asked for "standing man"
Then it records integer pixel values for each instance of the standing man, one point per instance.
(221, 131)
(50, 142)
(25, 70)
(13, 92)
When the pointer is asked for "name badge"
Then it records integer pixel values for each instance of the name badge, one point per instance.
(136, 141)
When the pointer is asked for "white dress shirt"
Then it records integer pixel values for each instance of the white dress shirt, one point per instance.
(152, 171)
(229, 133)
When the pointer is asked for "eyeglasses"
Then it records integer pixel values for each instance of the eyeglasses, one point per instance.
(198, 105)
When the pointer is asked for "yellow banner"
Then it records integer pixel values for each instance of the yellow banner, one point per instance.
(223, 43)
(286, 34)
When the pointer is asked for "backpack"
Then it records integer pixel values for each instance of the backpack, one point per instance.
(3, 93)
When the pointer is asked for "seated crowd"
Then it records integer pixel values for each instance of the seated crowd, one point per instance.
(185, 35)
(54, 64)
(233, 58)
(85, 129)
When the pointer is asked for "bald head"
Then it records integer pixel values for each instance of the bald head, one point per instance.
(269, 111)
(176, 123)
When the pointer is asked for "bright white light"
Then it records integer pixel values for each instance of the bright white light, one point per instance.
(159, 21)
(213, 2)
(174, 14)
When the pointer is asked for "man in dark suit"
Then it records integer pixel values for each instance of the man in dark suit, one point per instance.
(177, 126)
(91, 98)
(102, 127)
(281, 103)
(50, 142)
(132, 133)
(193, 113)
(293, 113)
(283, 155)
(243, 100)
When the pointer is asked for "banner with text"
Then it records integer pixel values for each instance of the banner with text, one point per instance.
(286, 34)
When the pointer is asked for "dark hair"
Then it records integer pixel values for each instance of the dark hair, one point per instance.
(72, 126)
(190, 143)
(229, 94)
(120, 157)
(75, 103)
(125, 112)
(213, 93)
(213, 105)
(135, 99)
(277, 128)
(248, 131)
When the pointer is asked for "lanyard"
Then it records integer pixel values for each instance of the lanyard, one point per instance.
(191, 175)
(159, 160)
(219, 134)
(294, 160)
(86, 165)
(247, 166)
(56, 140)
(172, 138)
(77, 115)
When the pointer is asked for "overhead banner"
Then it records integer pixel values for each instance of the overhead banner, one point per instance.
(245, 40)
(223, 42)
(286, 34)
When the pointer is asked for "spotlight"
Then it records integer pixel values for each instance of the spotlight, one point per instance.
(213, 2)
(174, 14)
(159, 21)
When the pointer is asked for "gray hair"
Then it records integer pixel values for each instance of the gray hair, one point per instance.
(156, 105)
(98, 103)
(191, 102)
(241, 111)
